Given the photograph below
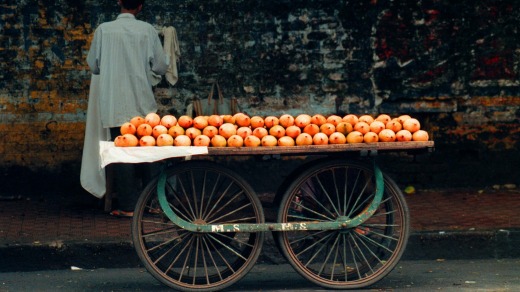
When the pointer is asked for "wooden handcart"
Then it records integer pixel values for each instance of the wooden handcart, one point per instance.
(341, 222)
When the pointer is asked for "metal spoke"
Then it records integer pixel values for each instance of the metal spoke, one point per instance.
(166, 242)
(327, 195)
(369, 249)
(209, 214)
(227, 247)
(354, 207)
(167, 252)
(308, 236)
(194, 195)
(234, 239)
(317, 202)
(212, 260)
(160, 232)
(213, 192)
(312, 245)
(188, 256)
(228, 214)
(319, 250)
(176, 195)
(328, 255)
(314, 212)
(223, 258)
(345, 193)
(361, 252)
(352, 192)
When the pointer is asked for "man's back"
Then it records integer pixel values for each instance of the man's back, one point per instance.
(125, 52)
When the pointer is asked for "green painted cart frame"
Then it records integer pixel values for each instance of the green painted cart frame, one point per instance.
(341, 223)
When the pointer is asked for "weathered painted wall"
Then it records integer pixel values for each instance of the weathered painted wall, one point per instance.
(453, 64)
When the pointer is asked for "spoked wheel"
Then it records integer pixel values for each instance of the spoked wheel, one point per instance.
(346, 258)
(202, 193)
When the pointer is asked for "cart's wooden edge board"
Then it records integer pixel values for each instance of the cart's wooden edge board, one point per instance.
(315, 149)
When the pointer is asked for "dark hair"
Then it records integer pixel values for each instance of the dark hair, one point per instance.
(131, 4)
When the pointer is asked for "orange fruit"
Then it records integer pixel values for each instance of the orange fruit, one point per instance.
(137, 121)
(242, 120)
(201, 140)
(193, 132)
(411, 125)
(318, 119)
(377, 126)
(320, 139)
(210, 131)
(244, 132)
(344, 128)
(176, 131)
(355, 137)
(200, 122)
(337, 138)
(286, 141)
(293, 131)
(302, 120)
(351, 119)
(185, 121)
(152, 119)
(383, 118)
(403, 118)
(218, 141)
(311, 129)
(257, 122)
(303, 139)
(362, 127)
(286, 120)
(277, 131)
(269, 141)
(158, 130)
(215, 121)
(334, 119)
(164, 140)
(182, 140)
(366, 118)
(394, 125)
(227, 130)
(235, 141)
(147, 141)
(271, 121)
(327, 128)
(252, 141)
(168, 121)
(370, 137)
(403, 136)
(127, 128)
(387, 135)
(144, 130)
(420, 135)
(260, 132)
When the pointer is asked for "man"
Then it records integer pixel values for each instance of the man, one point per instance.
(126, 54)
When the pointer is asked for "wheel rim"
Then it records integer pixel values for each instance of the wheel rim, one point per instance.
(351, 258)
(200, 193)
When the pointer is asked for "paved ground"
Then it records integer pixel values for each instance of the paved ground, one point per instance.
(487, 218)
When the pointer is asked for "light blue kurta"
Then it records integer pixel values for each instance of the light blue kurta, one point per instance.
(126, 53)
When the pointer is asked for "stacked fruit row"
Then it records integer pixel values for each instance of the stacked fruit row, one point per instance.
(241, 130)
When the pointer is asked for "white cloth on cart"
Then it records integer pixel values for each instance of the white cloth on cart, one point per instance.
(109, 153)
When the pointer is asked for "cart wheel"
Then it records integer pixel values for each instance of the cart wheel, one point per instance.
(347, 258)
(204, 193)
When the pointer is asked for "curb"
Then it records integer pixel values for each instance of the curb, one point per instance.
(449, 245)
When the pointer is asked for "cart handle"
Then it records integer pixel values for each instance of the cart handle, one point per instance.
(339, 223)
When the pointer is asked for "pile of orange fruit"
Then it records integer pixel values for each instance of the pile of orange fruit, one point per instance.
(240, 130)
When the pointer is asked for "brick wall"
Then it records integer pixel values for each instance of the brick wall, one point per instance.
(453, 65)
